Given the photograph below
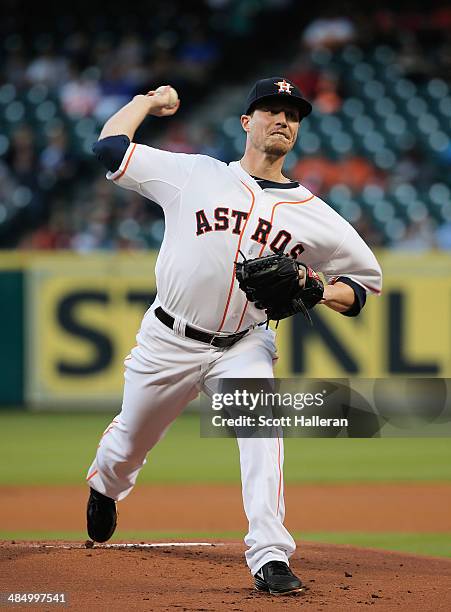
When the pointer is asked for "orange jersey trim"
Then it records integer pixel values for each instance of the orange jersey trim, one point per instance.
(236, 257)
(279, 489)
(377, 291)
(92, 475)
(242, 316)
(278, 204)
(126, 163)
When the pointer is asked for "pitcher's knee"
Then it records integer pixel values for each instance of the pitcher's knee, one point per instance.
(109, 456)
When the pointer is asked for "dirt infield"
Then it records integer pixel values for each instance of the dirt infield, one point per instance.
(215, 578)
(408, 507)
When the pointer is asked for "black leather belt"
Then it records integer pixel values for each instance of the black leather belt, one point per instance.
(196, 334)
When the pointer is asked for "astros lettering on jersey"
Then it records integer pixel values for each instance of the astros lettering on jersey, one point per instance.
(212, 211)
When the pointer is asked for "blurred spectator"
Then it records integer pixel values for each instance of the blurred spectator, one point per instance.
(320, 174)
(412, 60)
(357, 172)
(21, 156)
(327, 99)
(329, 33)
(304, 75)
(80, 94)
(97, 233)
(117, 86)
(22, 159)
(419, 237)
(197, 55)
(372, 236)
(176, 139)
(56, 161)
(48, 68)
(130, 51)
(316, 173)
(53, 235)
(207, 142)
(412, 166)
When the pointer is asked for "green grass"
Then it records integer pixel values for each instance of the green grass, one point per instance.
(434, 544)
(47, 448)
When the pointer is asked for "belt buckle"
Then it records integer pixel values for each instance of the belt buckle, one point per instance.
(213, 338)
(233, 338)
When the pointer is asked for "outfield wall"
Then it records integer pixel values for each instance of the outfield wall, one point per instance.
(68, 320)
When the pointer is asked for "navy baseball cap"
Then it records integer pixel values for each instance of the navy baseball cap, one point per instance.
(275, 88)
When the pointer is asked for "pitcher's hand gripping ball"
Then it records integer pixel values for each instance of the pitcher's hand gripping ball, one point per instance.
(279, 285)
(170, 93)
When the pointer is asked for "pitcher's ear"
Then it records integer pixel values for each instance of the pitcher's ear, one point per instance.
(245, 119)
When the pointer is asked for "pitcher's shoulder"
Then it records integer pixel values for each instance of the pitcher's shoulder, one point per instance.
(303, 194)
(211, 162)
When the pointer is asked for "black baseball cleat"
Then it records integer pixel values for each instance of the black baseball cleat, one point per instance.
(276, 578)
(101, 516)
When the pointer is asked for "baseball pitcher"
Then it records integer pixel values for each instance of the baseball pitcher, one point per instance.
(243, 244)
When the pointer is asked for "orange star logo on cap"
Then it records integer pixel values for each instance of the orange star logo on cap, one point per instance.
(284, 87)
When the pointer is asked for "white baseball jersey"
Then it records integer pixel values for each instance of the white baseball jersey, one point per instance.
(212, 212)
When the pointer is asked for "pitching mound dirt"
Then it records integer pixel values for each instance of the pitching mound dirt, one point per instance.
(215, 578)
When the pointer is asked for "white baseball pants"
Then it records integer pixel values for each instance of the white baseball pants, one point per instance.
(163, 373)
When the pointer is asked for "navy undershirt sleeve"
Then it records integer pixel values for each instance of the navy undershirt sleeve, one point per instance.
(110, 151)
(360, 296)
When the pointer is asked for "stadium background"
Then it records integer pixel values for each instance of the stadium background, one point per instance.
(76, 272)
